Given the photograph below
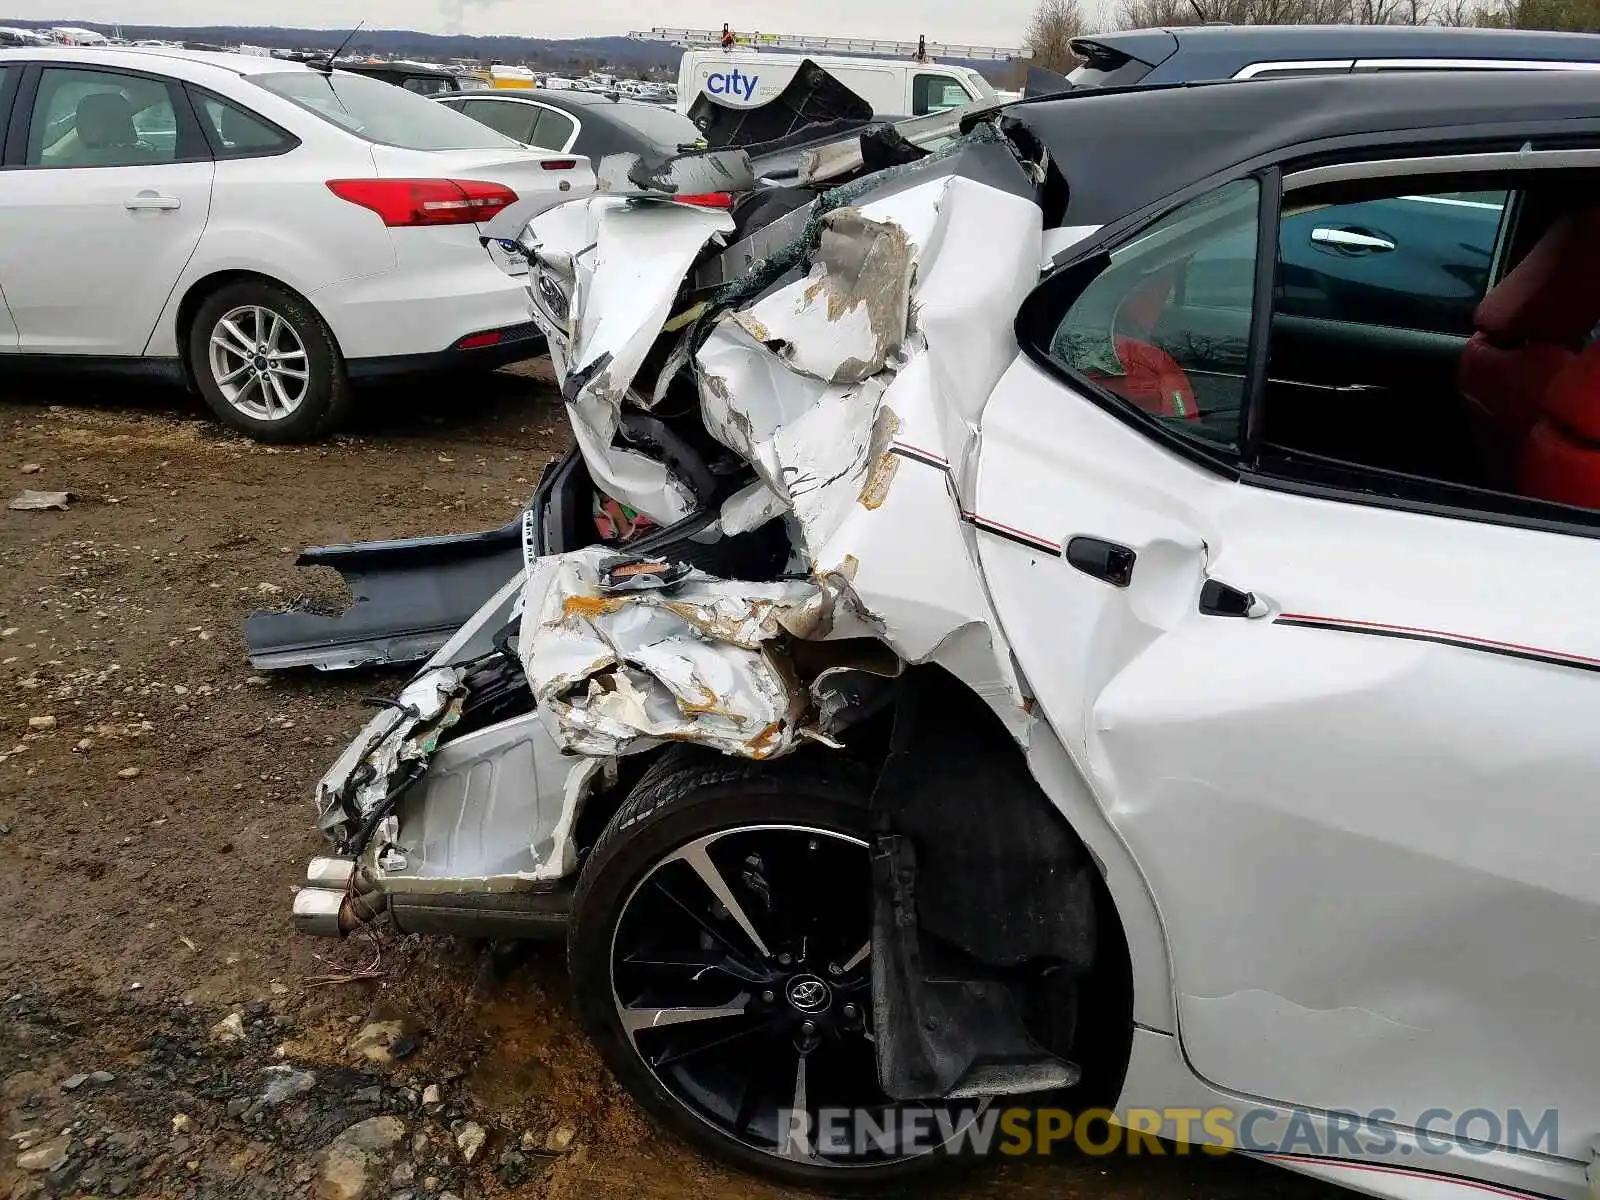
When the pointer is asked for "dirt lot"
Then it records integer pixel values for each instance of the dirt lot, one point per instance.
(162, 1031)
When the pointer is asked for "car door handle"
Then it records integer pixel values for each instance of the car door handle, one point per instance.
(1102, 560)
(151, 200)
(1217, 599)
(1350, 239)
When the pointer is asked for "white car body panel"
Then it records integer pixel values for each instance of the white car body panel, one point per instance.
(131, 257)
(8, 328)
(522, 171)
(1427, 822)
(247, 231)
(1415, 1166)
(826, 448)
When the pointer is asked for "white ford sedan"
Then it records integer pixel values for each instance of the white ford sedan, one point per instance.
(262, 230)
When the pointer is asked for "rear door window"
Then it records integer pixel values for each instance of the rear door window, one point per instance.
(517, 121)
(554, 130)
(8, 83)
(663, 128)
(1165, 325)
(236, 132)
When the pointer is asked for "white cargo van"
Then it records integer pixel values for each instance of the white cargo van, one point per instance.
(742, 78)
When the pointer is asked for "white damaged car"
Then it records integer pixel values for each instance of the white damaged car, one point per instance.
(1002, 640)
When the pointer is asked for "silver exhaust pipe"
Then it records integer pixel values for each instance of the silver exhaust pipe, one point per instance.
(316, 911)
(332, 874)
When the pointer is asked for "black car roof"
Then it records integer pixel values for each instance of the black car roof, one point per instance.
(1218, 51)
(1121, 149)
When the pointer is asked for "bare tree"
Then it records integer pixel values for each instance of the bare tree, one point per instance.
(1154, 14)
(1134, 14)
(1455, 12)
(1050, 32)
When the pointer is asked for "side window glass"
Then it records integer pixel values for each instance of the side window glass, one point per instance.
(101, 119)
(936, 93)
(1166, 325)
(553, 131)
(237, 132)
(514, 120)
(1416, 261)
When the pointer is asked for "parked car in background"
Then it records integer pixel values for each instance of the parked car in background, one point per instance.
(11, 35)
(414, 77)
(261, 229)
(1190, 54)
(588, 123)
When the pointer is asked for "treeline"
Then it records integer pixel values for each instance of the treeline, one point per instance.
(549, 54)
(1056, 22)
(1579, 15)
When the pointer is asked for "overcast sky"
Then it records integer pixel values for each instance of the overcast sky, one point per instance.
(991, 22)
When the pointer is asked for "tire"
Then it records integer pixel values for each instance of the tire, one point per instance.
(783, 825)
(262, 395)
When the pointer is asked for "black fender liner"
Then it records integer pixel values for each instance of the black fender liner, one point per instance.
(984, 907)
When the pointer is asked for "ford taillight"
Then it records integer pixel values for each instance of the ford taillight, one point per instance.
(405, 202)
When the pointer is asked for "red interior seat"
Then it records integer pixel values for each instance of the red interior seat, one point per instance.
(1560, 460)
(1529, 328)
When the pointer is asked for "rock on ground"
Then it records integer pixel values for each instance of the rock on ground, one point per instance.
(355, 1164)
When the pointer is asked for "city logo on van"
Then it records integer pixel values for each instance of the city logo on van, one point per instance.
(733, 83)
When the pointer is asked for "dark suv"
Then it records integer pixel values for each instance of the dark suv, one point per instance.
(1190, 54)
(1417, 262)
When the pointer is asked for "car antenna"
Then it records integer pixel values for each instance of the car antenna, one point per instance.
(1199, 13)
(326, 65)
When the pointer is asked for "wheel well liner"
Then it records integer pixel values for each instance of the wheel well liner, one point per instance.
(1007, 878)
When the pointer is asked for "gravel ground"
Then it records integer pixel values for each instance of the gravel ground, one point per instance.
(163, 1032)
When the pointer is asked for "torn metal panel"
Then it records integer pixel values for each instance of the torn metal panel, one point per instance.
(494, 814)
(832, 451)
(851, 316)
(622, 288)
(750, 508)
(389, 755)
(409, 597)
(964, 315)
(700, 661)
